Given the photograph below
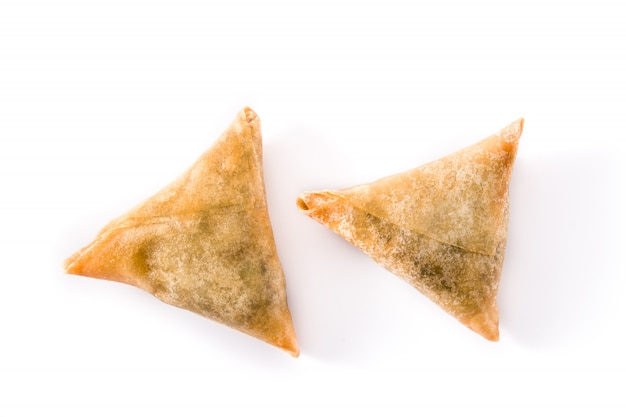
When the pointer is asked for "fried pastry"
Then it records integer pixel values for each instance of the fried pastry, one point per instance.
(204, 243)
(441, 227)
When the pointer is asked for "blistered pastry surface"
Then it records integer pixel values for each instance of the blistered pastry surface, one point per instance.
(205, 242)
(440, 227)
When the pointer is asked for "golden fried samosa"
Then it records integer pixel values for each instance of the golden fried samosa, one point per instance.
(204, 243)
(441, 227)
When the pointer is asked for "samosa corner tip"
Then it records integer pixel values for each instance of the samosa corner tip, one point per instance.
(485, 323)
(293, 350)
(302, 202)
(249, 114)
(71, 264)
(511, 134)
(310, 201)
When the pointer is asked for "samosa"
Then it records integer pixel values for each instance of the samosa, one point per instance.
(204, 243)
(442, 227)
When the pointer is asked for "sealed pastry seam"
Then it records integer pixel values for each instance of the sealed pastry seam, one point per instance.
(204, 243)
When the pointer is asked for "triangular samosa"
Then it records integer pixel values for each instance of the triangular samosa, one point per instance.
(441, 227)
(204, 243)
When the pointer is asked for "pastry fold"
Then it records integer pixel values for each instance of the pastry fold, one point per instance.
(204, 243)
(441, 227)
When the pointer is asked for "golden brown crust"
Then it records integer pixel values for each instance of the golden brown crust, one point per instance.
(204, 243)
(441, 227)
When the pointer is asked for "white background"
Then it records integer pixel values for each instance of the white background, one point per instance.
(104, 102)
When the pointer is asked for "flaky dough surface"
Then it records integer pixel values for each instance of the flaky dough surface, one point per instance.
(440, 227)
(204, 243)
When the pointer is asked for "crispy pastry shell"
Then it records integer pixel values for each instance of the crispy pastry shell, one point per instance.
(440, 227)
(204, 243)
